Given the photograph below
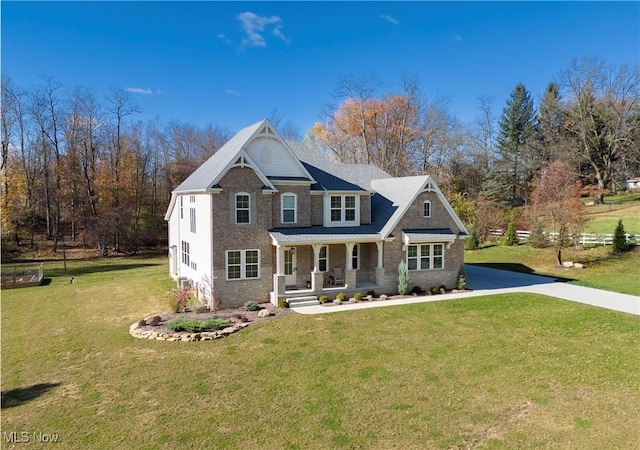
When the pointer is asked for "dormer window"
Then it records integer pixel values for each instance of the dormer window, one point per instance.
(243, 208)
(426, 209)
(343, 210)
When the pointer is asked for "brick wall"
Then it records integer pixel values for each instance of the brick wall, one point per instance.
(303, 206)
(227, 235)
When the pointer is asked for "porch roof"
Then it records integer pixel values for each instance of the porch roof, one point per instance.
(429, 235)
(324, 235)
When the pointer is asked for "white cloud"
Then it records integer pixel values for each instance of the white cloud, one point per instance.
(390, 19)
(137, 90)
(231, 92)
(254, 26)
(223, 37)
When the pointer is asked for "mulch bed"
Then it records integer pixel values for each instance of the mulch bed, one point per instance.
(235, 315)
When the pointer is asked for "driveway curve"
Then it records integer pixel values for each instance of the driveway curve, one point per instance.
(487, 281)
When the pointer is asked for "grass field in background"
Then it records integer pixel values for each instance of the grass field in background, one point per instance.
(508, 371)
(619, 273)
(604, 218)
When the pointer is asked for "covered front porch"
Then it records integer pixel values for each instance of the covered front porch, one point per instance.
(312, 269)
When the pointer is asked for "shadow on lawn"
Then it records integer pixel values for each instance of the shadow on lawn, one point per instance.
(520, 268)
(19, 396)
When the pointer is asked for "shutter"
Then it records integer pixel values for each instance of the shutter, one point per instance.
(253, 205)
(232, 207)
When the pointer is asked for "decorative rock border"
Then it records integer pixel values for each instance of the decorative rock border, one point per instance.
(136, 331)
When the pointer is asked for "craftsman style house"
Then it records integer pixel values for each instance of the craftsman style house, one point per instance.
(266, 219)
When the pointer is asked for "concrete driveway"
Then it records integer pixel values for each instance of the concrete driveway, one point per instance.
(487, 281)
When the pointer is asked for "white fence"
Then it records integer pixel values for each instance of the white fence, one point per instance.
(583, 239)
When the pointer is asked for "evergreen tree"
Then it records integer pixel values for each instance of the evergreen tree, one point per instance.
(511, 236)
(515, 140)
(549, 128)
(473, 241)
(619, 239)
(403, 278)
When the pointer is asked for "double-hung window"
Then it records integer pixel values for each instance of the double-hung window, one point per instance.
(185, 253)
(243, 264)
(425, 256)
(192, 219)
(343, 209)
(243, 208)
(289, 208)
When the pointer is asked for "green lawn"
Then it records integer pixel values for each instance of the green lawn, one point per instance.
(604, 218)
(620, 273)
(509, 371)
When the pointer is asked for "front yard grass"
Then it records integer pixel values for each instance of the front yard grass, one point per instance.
(508, 371)
(618, 273)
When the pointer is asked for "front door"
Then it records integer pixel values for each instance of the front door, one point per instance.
(290, 268)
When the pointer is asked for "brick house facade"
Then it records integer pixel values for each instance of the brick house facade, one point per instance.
(264, 219)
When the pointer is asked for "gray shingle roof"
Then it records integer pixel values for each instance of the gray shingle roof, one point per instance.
(358, 174)
(204, 175)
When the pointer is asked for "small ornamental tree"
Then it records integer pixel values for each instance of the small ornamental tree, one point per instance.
(511, 236)
(555, 202)
(619, 239)
(537, 238)
(403, 278)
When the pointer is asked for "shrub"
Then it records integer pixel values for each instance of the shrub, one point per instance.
(179, 299)
(371, 293)
(417, 290)
(511, 236)
(251, 306)
(323, 299)
(403, 278)
(383, 297)
(461, 282)
(433, 290)
(283, 303)
(196, 326)
(619, 239)
(473, 241)
(357, 296)
(340, 296)
(537, 238)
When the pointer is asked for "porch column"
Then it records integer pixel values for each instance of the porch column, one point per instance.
(379, 244)
(349, 262)
(317, 277)
(380, 269)
(279, 260)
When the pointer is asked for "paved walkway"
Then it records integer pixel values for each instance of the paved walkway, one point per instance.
(487, 281)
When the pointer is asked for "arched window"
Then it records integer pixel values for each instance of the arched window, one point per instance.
(289, 207)
(426, 208)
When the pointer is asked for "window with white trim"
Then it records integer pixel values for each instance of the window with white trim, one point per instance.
(425, 256)
(192, 220)
(185, 253)
(355, 258)
(343, 209)
(289, 208)
(243, 264)
(323, 259)
(181, 206)
(426, 208)
(243, 208)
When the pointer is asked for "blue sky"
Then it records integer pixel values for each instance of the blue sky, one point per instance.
(232, 63)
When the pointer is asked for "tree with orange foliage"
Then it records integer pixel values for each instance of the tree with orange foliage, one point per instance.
(555, 202)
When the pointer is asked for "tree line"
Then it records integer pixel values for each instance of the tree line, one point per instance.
(81, 165)
(78, 165)
(588, 119)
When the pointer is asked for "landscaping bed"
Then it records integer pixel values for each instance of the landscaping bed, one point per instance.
(224, 322)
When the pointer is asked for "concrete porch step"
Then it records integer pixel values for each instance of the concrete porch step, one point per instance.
(297, 302)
